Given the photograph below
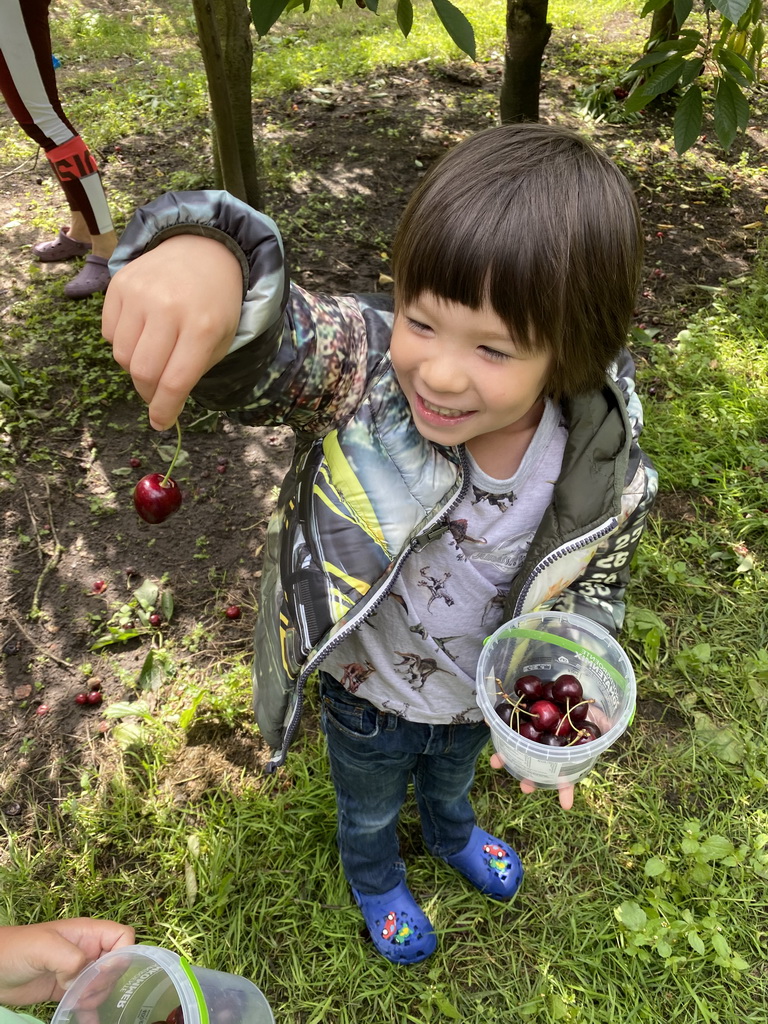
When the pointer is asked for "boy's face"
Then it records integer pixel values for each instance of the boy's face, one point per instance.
(463, 375)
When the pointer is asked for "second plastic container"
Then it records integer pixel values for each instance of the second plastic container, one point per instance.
(549, 644)
(150, 985)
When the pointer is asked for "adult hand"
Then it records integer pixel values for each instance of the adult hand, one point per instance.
(39, 961)
(171, 315)
(565, 793)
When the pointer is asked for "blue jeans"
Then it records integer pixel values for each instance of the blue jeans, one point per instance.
(373, 756)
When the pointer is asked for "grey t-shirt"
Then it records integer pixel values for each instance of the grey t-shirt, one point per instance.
(417, 655)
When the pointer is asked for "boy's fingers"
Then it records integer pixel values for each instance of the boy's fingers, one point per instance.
(566, 797)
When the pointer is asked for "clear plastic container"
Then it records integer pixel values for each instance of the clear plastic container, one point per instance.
(549, 644)
(150, 985)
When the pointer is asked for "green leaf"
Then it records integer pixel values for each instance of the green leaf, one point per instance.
(688, 117)
(716, 848)
(739, 964)
(153, 673)
(186, 716)
(129, 734)
(720, 944)
(116, 636)
(446, 1006)
(682, 9)
(664, 78)
(662, 51)
(663, 948)
(654, 866)
(166, 604)
(631, 915)
(760, 693)
(128, 709)
(726, 123)
(731, 9)
(652, 5)
(167, 452)
(723, 742)
(404, 14)
(265, 13)
(701, 873)
(558, 1010)
(695, 941)
(147, 594)
(737, 66)
(741, 107)
(456, 25)
(692, 70)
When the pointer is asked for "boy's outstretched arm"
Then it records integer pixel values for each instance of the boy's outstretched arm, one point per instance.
(39, 961)
(171, 314)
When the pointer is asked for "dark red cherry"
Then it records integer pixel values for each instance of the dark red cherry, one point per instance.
(545, 715)
(505, 710)
(577, 711)
(590, 727)
(529, 730)
(563, 727)
(567, 687)
(549, 739)
(529, 686)
(155, 501)
(547, 690)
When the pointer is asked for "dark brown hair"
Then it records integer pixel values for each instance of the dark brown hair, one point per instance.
(535, 221)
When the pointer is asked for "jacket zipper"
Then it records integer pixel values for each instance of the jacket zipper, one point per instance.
(435, 529)
(565, 549)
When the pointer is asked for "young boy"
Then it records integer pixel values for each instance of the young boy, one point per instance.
(458, 464)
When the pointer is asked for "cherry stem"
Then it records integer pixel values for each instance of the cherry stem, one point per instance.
(515, 700)
(166, 478)
(579, 735)
(591, 700)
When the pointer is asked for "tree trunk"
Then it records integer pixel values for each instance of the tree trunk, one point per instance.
(228, 70)
(527, 36)
(234, 19)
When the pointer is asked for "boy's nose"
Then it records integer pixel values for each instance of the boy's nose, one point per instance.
(443, 375)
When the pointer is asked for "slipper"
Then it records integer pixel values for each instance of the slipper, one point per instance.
(400, 930)
(93, 278)
(491, 866)
(60, 248)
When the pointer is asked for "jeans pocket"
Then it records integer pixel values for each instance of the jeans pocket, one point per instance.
(349, 715)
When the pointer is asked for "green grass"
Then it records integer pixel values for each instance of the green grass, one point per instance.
(646, 903)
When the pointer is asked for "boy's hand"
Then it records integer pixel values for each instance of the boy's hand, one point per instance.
(38, 962)
(171, 315)
(565, 793)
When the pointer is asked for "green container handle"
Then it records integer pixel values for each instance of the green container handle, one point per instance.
(570, 645)
(202, 1006)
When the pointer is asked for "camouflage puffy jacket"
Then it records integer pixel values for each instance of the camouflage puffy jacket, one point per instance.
(365, 489)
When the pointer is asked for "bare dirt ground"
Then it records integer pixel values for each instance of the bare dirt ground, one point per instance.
(67, 519)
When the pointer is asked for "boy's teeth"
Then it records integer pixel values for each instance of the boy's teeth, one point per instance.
(441, 409)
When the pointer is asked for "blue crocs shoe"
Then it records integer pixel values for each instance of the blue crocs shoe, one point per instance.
(489, 864)
(400, 930)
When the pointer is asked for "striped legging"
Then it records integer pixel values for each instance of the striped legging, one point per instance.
(28, 85)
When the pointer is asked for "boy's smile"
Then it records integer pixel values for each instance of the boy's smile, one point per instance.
(465, 379)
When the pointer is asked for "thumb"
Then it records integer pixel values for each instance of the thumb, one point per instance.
(62, 959)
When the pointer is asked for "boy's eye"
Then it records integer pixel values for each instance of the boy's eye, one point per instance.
(494, 353)
(416, 325)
